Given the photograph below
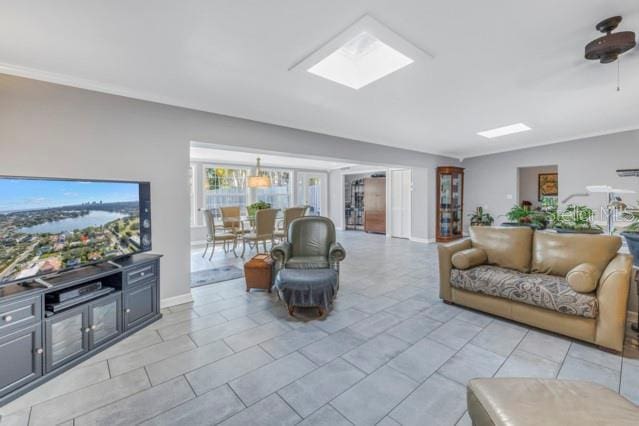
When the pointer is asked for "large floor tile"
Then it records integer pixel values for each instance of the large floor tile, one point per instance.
(438, 401)
(471, 362)
(140, 406)
(210, 408)
(408, 308)
(218, 332)
(422, 359)
(376, 304)
(370, 400)
(268, 412)
(525, 364)
(142, 339)
(595, 355)
(442, 312)
(18, 418)
(630, 381)
(325, 416)
(291, 341)
(546, 345)
(149, 355)
(499, 338)
(375, 353)
(579, 369)
(173, 331)
(312, 391)
(265, 380)
(475, 317)
(374, 325)
(331, 347)
(184, 362)
(213, 375)
(414, 329)
(455, 333)
(85, 400)
(337, 320)
(254, 336)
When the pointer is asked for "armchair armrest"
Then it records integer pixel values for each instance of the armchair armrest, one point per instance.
(336, 253)
(446, 252)
(281, 253)
(612, 294)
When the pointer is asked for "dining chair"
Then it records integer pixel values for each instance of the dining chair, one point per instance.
(264, 230)
(289, 214)
(232, 220)
(213, 237)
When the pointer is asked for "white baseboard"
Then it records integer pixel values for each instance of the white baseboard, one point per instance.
(422, 240)
(176, 300)
(339, 228)
(198, 243)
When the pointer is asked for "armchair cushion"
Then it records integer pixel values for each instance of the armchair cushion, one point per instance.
(307, 262)
(469, 258)
(336, 253)
(583, 278)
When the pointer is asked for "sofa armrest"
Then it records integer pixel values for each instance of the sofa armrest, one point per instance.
(336, 253)
(281, 253)
(612, 295)
(446, 252)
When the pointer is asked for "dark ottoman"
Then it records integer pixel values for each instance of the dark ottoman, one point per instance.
(307, 288)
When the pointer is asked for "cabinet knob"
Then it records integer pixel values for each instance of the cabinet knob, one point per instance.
(127, 310)
(39, 351)
(87, 330)
(8, 318)
(93, 327)
(141, 274)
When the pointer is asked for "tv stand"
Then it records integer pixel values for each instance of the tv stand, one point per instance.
(57, 341)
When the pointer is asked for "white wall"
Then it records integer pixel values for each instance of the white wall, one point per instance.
(58, 131)
(528, 183)
(592, 161)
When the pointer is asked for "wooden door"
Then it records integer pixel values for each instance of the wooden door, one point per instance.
(375, 205)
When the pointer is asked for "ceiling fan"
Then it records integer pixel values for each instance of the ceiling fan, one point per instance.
(607, 49)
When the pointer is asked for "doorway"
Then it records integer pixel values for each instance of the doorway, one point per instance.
(401, 203)
(538, 186)
(311, 192)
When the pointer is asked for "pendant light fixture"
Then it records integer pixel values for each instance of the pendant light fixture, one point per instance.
(258, 181)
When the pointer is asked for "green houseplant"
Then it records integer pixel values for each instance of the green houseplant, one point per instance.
(481, 218)
(524, 216)
(575, 219)
(260, 205)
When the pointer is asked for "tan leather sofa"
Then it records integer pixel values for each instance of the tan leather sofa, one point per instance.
(573, 284)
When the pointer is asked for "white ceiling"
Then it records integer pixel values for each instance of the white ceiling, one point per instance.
(496, 62)
(221, 156)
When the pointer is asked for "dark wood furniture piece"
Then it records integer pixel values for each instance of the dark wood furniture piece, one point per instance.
(258, 272)
(375, 205)
(354, 211)
(450, 203)
(37, 344)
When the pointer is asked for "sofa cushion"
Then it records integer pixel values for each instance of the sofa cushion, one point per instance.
(556, 254)
(544, 291)
(583, 278)
(469, 258)
(507, 247)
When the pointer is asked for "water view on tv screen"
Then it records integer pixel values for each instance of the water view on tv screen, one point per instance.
(51, 225)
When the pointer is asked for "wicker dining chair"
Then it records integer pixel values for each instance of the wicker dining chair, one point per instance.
(231, 220)
(289, 214)
(217, 235)
(263, 232)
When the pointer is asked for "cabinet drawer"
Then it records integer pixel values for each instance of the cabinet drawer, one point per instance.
(20, 313)
(141, 273)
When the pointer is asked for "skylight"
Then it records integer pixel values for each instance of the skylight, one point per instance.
(503, 131)
(360, 61)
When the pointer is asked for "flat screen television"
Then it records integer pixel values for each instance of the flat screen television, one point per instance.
(52, 225)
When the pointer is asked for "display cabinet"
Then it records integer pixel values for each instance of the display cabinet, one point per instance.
(450, 203)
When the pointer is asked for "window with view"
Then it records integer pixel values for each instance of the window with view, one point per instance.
(224, 187)
(278, 194)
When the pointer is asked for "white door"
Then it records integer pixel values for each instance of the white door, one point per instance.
(311, 192)
(400, 203)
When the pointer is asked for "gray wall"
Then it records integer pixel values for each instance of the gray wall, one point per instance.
(529, 182)
(491, 179)
(58, 131)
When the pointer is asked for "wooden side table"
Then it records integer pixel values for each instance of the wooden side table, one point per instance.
(258, 272)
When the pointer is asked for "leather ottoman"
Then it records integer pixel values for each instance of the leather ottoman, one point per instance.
(518, 402)
(307, 288)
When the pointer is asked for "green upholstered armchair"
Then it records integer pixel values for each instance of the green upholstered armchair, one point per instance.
(310, 245)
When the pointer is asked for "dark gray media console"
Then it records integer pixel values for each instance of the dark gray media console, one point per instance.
(36, 345)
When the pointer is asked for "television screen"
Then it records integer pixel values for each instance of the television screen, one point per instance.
(50, 225)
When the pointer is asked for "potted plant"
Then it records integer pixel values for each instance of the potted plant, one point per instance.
(260, 205)
(631, 234)
(575, 219)
(523, 216)
(481, 218)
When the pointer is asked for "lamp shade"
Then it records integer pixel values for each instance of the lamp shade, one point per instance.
(259, 181)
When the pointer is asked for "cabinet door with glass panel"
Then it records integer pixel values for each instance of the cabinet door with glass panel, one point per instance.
(450, 196)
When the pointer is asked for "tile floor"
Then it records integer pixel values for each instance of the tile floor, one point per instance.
(389, 353)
